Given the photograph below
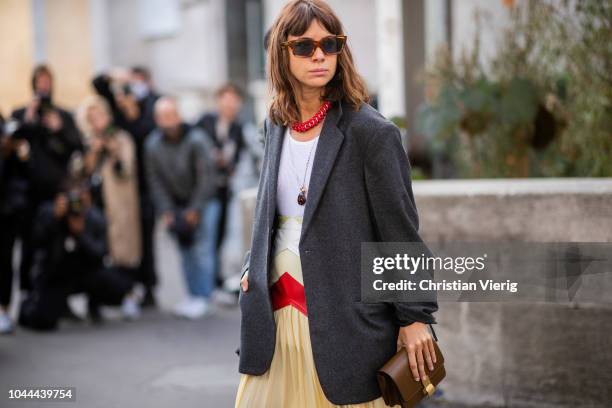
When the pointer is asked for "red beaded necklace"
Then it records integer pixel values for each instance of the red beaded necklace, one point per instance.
(314, 121)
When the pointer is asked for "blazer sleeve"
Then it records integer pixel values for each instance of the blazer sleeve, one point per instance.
(263, 133)
(393, 208)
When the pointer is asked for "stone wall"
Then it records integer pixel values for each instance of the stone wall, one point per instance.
(523, 355)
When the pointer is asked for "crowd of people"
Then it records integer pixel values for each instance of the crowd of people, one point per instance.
(80, 195)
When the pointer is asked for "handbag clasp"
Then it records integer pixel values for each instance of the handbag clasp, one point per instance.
(428, 387)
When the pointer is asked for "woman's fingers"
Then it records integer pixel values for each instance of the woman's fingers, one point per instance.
(427, 354)
(420, 360)
(420, 348)
(432, 351)
(412, 361)
(244, 282)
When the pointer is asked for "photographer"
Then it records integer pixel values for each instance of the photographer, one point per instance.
(110, 163)
(70, 242)
(226, 134)
(47, 140)
(131, 98)
(182, 179)
(51, 134)
(14, 202)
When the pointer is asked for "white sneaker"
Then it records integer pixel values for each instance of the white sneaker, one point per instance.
(225, 298)
(196, 308)
(6, 324)
(232, 284)
(181, 308)
(130, 308)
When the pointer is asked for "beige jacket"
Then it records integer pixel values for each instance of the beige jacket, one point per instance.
(121, 205)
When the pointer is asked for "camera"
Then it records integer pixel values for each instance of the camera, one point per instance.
(12, 129)
(75, 203)
(45, 105)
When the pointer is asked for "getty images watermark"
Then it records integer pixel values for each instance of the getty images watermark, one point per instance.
(486, 271)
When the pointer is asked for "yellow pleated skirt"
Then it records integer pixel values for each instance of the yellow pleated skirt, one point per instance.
(292, 380)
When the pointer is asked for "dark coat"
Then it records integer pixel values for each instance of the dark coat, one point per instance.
(50, 153)
(360, 191)
(54, 262)
(208, 122)
(14, 182)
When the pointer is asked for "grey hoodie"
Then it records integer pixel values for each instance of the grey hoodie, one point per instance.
(181, 173)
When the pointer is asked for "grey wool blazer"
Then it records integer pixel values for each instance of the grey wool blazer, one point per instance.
(360, 191)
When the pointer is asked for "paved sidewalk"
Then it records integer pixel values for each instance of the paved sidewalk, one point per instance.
(159, 361)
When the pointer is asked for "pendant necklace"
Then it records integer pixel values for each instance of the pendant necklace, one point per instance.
(303, 127)
(301, 199)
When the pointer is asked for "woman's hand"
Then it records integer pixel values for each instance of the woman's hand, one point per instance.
(112, 144)
(244, 282)
(128, 105)
(31, 111)
(53, 121)
(97, 144)
(192, 217)
(417, 341)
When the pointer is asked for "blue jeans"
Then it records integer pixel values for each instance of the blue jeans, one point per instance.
(199, 261)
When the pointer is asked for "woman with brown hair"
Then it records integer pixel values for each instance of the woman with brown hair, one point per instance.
(110, 163)
(334, 175)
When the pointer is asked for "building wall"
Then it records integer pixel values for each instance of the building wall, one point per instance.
(68, 49)
(190, 62)
(82, 37)
(390, 58)
(491, 348)
(125, 45)
(494, 18)
(16, 54)
(54, 32)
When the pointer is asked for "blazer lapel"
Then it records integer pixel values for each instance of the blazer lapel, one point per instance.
(327, 149)
(277, 135)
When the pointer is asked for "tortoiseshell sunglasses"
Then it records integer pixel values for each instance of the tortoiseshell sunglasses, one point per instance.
(305, 47)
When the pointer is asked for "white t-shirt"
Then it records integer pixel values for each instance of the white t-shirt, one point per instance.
(294, 156)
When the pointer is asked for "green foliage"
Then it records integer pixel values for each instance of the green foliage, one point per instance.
(544, 105)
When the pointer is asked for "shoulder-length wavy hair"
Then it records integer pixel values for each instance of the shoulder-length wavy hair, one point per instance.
(82, 121)
(346, 84)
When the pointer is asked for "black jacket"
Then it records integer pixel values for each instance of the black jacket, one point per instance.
(50, 153)
(55, 259)
(208, 122)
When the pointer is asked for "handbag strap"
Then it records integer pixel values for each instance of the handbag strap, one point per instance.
(433, 332)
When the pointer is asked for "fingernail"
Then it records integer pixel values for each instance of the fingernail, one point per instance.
(416, 379)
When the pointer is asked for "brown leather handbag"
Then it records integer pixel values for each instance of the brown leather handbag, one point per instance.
(399, 387)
